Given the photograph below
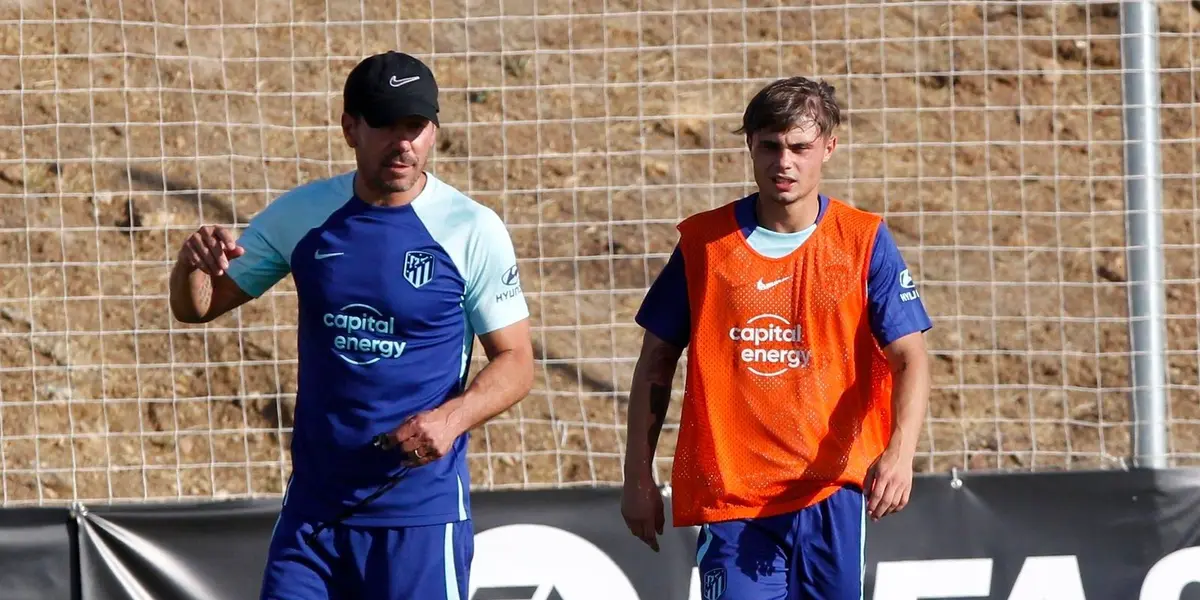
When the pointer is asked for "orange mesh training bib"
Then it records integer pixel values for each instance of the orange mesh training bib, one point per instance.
(788, 395)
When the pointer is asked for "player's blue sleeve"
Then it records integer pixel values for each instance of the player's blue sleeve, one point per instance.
(262, 266)
(665, 311)
(894, 305)
(493, 297)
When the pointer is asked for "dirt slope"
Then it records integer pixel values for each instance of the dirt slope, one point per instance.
(990, 138)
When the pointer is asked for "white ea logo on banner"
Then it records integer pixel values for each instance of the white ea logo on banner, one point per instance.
(538, 562)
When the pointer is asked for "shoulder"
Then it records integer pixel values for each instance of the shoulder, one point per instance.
(709, 225)
(854, 222)
(845, 210)
(450, 214)
(472, 235)
(705, 217)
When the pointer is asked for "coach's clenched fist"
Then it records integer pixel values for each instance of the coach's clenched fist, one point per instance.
(209, 249)
(427, 436)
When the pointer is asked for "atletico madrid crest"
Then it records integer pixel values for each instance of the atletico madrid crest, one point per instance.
(713, 585)
(418, 267)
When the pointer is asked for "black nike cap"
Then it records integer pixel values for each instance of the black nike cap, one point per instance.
(387, 87)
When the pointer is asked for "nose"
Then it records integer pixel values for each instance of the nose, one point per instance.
(788, 160)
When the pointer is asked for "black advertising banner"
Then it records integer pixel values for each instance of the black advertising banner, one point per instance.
(572, 545)
(1062, 536)
(1131, 535)
(36, 559)
(177, 551)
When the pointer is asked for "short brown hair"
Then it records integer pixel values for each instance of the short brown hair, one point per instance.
(786, 103)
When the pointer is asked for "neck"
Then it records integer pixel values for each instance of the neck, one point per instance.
(390, 199)
(787, 218)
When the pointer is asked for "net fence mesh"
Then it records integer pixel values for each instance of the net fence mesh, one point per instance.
(988, 133)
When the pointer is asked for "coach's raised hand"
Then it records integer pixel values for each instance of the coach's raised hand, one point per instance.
(209, 249)
(201, 290)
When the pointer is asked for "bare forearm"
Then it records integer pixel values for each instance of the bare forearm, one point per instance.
(197, 297)
(505, 380)
(648, 403)
(649, 399)
(191, 294)
(910, 397)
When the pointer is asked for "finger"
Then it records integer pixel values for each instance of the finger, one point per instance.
(190, 258)
(885, 507)
(214, 265)
(902, 498)
(216, 254)
(413, 443)
(200, 254)
(637, 526)
(869, 480)
(222, 235)
(416, 457)
(230, 245)
(893, 499)
(648, 535)
(204, 249)
(876, 497)
(406, 430)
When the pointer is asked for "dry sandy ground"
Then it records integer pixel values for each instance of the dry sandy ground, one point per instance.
(989, 136)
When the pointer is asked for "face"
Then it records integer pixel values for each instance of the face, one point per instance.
(787, 165)
(390, 159)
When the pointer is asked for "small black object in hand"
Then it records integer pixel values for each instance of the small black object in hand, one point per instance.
(383, 441)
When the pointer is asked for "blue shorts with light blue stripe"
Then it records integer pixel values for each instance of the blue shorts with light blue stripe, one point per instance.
(814, 553)
(429, 562)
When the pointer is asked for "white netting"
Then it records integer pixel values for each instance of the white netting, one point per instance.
(989, 134)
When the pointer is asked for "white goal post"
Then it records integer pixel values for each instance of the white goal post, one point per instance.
(990, 135)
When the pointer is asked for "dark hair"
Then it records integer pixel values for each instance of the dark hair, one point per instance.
(786, 103)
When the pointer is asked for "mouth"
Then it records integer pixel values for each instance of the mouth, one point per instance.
(398, 165)
(783, 183)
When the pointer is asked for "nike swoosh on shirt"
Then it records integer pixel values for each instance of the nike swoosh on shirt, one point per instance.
(766, 286)
(320, 256)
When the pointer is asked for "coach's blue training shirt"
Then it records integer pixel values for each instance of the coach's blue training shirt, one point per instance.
(390, 299)
(894, 306)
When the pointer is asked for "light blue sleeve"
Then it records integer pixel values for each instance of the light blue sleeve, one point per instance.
(274, 232)
(493, 298)
(262, 266)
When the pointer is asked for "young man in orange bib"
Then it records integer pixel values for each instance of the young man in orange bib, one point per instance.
(807, 376)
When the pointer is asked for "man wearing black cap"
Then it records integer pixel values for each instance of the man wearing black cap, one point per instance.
(396, 273)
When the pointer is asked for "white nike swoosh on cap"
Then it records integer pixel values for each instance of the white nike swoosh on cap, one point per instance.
(399, 82)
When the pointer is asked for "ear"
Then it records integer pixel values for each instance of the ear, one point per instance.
(830, 146)
(348, 123)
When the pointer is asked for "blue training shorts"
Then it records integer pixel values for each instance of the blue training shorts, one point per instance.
(430, 562)
(814, 553)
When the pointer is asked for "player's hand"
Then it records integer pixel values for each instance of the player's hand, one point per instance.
(425, 437)
(642, 508)
(889, 483)
(210, 249)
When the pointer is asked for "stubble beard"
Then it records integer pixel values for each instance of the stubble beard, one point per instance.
(396, 186)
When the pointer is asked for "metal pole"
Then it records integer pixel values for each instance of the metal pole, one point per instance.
(1143, 218)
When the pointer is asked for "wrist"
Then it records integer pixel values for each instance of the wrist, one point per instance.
(901, 443)
(638, 467)
(453, 412)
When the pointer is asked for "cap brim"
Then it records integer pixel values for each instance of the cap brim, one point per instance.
(383, 114)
